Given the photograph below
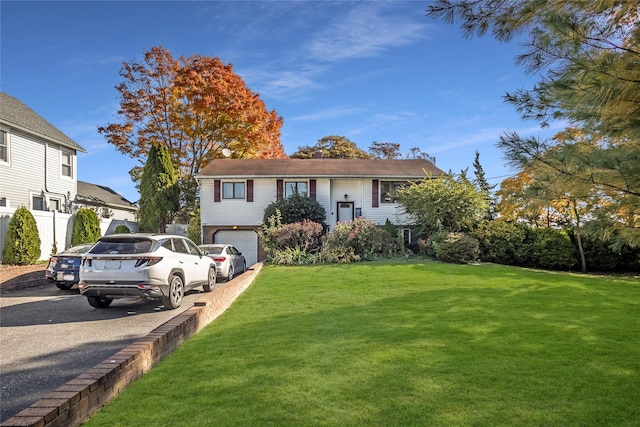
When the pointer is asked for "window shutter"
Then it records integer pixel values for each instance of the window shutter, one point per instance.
(279, 189)
(249, 190)
(375, 197)
(312, 189)
(216, 190)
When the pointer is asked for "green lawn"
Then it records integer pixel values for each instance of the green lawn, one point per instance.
(404, 344)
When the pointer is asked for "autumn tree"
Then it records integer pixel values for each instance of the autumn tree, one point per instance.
(194, 106)
(587, 54)
(159, 197)
(332, 147)
(384, 150)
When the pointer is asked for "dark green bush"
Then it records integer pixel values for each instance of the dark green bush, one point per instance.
(549, 249)
(500, 242)
(296, 208)
(86, 227)
(600, 257)
(122, 229)
(455, 248)
(22, 245)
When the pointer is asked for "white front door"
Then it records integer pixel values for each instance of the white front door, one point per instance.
(345, 211)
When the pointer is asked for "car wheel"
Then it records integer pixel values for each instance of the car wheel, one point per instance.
(231, 273)
(244, 266)
(64, 286)
(211, 280)
(99, 302)
(176, 291)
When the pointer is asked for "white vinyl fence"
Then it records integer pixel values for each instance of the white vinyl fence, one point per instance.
(56, 227)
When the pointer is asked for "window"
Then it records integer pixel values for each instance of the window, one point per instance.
(37, 203)
(67, 164)
(233, 190)
(291, 188)
(406, 236)
(4, 146)
(388, 190)
(3, 202)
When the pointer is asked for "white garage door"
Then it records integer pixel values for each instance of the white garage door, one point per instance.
(245, 241)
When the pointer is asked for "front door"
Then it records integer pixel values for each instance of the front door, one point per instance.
(345, 211)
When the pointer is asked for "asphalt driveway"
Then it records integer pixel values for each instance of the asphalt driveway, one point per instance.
(49, 336)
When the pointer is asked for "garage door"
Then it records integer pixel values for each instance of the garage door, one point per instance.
(246, 241)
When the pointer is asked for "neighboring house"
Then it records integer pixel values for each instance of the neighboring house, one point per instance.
(235, 192)
(107, 204)
(38, 170)
(38, 163)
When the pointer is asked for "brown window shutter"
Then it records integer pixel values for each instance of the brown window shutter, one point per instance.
(249, 190)
(375, 197)
(216, 190)
(312, 189)
(279, 189)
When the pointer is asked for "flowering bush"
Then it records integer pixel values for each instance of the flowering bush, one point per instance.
(358, 239)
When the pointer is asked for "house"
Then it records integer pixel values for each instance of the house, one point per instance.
(38, 163)
(39, 170)
(107, 204)
(235, 192)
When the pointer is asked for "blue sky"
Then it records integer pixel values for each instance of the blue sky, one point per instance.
(367, 70)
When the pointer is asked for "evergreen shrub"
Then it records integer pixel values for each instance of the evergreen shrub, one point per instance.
(122, 229)
(296, 208)
(86, 227)
(22, 243)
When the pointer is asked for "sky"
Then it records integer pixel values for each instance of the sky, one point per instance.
(366, 70)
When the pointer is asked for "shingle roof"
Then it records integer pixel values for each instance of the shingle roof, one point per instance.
(100, 195)
(14, 112)
(310, 168)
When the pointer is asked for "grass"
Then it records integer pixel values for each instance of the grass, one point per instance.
(404, 344)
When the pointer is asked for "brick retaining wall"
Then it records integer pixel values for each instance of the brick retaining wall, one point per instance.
(74, 402)
(21, 276)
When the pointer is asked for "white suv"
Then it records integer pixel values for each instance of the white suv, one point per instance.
(152, 266)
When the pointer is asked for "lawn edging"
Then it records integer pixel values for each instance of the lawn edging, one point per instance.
(74, 402)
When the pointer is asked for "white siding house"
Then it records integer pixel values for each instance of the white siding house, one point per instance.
(235, 192)
(38, 163)
(39, 170)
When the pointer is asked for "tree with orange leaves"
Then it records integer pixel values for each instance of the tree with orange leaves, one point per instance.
(198, 108)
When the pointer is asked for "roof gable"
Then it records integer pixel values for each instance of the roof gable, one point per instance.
(100, 195)
(14, 112)
(316, 168)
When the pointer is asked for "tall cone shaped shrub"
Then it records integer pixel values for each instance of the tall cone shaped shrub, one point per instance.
(22, 245)
(86, 227)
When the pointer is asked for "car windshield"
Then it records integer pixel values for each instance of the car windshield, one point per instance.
(78, 249)
(214, 250)
(122, 246)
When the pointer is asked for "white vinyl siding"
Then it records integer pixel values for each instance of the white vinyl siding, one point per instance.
(33, 162)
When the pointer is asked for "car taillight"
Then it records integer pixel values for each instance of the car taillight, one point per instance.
(148, 261)
(220, 259)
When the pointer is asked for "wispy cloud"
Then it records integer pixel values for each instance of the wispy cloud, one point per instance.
(333, 113)
(350, 31)
(366, 30)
